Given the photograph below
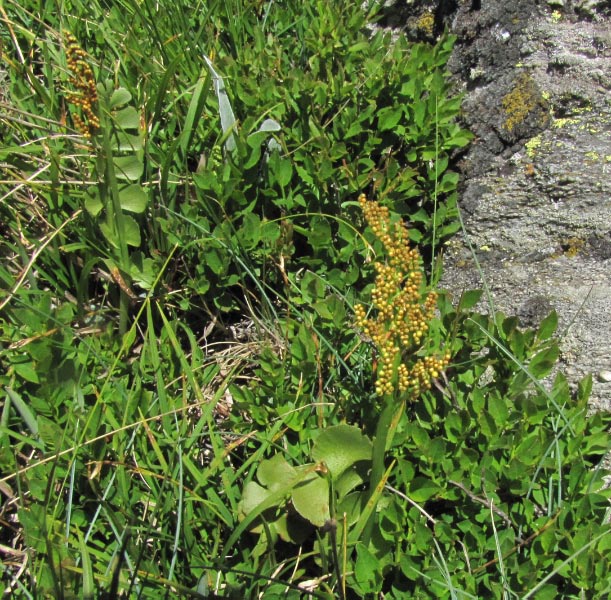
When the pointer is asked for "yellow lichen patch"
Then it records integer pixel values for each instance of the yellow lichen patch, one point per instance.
(592, 156)
(403, 310)
(521, 101)
(533, 145)
(426, 23)
(570, 247)
(559, 123)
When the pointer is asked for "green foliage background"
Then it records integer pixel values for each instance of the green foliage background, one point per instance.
(187, 407)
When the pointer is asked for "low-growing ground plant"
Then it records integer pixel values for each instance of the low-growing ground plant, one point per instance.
(225, 373)
(461, 479)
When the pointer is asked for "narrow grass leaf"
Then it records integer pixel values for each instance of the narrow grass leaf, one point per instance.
(194, 113)
(226, 111)
(23, 409)
(88, 582)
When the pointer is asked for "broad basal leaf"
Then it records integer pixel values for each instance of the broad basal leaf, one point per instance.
(311, 500)
(340, 447)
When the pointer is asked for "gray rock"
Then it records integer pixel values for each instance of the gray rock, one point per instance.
(536, 193)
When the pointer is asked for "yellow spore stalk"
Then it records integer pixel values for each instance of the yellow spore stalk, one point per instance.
(85, 94)
(402, 311)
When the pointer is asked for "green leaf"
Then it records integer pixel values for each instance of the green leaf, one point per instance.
(27, 371)
(127, 118)
(597, 443)
(23, 409)
(320, 233)
(584, 388)
(88, 582)
(389, 117)
(250, 232)
(543, 362)
(215, 259)
(93, 203)
(132, 231)
(548, 326)
(530, 450)
(469, 299)
(110, 233)
(119, 97)
(311, 500)
(340, 447)
(252, 496)
(133, 198)
(143, 271)
(349, 480)
(124, 142)
(497, 406)
(421, 489)
(128, 168)
(355, 129)
(453, 427)
(367, 570)
(276, 473)
(282, 169)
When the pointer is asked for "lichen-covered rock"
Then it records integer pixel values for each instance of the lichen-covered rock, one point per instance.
(536, 193)
(537, 198)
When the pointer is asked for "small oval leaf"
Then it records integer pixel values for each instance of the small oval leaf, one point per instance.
(132, 231)
(311, 500)
(120, 97)
(128, 168)
(127, 118)
(133, 199)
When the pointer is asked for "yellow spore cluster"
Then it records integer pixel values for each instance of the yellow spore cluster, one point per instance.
(402, 310)
(85, 94)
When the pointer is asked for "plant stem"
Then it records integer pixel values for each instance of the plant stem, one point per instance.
(385, 431)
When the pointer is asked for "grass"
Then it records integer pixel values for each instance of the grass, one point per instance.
(188, 406)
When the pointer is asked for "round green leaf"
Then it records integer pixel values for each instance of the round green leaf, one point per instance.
(275, 473)
(340, 447)
(93, 204)
(125, 142)
(311, 500)
(127, 118)
(120, 97)
(128, 168)
(132, 231)
(133, 199)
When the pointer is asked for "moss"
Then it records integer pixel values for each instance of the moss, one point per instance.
(521, 101)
